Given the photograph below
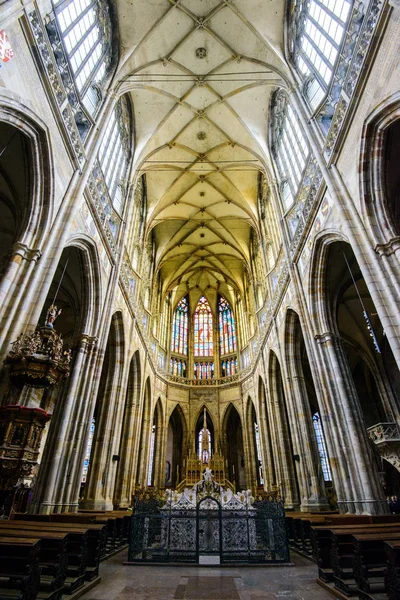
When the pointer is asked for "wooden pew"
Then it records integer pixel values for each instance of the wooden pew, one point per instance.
(298, 526)
(370, 561)
(19, 568)
(52, 559)
(77, 544)
(97, 537)
(323, 538)
(392, 574)
(343, 554)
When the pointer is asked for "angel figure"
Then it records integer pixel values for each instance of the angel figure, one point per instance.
(52, 314)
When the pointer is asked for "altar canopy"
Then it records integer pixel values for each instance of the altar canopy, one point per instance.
(208, 524)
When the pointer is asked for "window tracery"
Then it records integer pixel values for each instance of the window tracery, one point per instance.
(323, 453)
(203, 329)
(115, 151)
(288, 144)
(179, 340)
(204, 370)
(259, 457)
(227, 332)
(317, 28)
(178, 367)
(86, 32)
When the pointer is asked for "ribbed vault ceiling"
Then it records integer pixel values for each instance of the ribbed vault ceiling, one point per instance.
(200, 73)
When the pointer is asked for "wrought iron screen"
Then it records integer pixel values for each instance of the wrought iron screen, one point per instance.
(167, 534)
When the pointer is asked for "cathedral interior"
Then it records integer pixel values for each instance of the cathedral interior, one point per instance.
(200, 264)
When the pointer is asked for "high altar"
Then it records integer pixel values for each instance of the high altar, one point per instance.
(195, 466)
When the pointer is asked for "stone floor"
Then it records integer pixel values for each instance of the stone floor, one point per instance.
(122, 582)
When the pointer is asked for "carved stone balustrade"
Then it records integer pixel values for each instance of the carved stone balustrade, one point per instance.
(386, 437)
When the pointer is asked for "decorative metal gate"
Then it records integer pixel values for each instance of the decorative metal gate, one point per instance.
(184, 532)
(208, 518)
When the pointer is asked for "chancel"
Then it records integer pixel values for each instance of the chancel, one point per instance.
(199, 296)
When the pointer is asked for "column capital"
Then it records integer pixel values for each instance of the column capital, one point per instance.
(25, 252)
(327, 336)
(87, 342)
(390, 247)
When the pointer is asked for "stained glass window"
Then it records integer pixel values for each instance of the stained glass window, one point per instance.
(179, 341)
(88, 451)
(227, 333)
(258, 448)
(151, 456)
(229, 367)
(323, 454)
(204, 457)
(178, 367)
(203, 329)
(203, 370)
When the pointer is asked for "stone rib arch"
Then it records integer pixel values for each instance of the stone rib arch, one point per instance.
(374, 204)
(317, 279)
(16, 113)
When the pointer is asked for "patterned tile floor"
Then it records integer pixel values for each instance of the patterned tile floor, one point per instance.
(123, 582)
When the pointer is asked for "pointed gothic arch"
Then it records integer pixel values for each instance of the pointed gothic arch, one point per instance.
(379, 144)
(267, 431)
(144, 436)
(101, 479)
(177, 447)
(232, 435)
(130, 429)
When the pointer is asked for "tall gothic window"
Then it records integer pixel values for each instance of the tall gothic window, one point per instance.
(206, 455)
(115, 151)
(179, 341)
(203, 329)
(289, 145)
(204, 370)
(258, 450)
(227, 333)
(150, 474)
(85, 29)
(323, 454)
(88, 452)
(317, 29)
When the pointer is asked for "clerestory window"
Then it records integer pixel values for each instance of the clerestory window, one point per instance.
(317, 28)
(114, 152)
(179, 340)
(289, 146)
(323, 453)
(86, 32)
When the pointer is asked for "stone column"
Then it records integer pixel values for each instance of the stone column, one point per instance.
(283, 452)
(57, 454)
(266, 444)
(99, 491)
(351, 455)
(312, 489)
